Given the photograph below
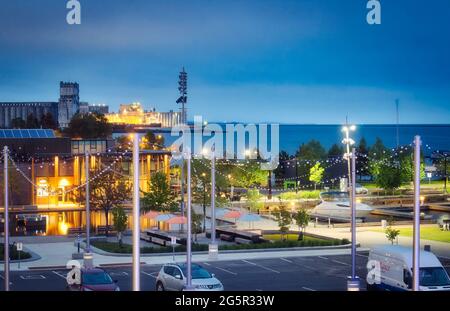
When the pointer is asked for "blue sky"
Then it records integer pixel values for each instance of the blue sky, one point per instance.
(303, 61)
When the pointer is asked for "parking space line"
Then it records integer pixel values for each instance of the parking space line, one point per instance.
(308, 289)
(323, 257)
(360, 255)
(118, 273)
(340, 262)
(60, 275)
(33, 277)
(257, 265)
(149, 274)
(206, 264)
(287, 260)
(225, 270)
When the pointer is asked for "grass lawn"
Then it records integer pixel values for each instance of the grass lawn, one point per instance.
(426, 233)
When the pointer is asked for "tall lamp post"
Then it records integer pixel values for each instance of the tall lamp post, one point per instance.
(213, 249)
(6, 225)
(136, 216)
(353, 280)
(187, 157)
(88, 259)
(416, 229)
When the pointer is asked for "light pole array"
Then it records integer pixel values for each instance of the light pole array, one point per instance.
(187, 156)
(6, 225)
(353, 280)
(136, 216)
(416, 229)
(213, 250)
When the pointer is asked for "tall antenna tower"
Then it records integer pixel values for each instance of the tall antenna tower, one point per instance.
(182, 88)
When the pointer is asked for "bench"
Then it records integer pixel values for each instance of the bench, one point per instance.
(75, 231)
(102, 229)
(242, 241)
(226, 237)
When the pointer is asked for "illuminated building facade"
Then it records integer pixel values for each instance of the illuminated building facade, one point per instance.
(134, 114)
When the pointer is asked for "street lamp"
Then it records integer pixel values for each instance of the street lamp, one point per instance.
(353, 280)
(213, 249)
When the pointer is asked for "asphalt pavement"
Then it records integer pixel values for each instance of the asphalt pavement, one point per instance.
(313, 273)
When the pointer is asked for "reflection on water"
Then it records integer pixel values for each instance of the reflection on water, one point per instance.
(60, 223)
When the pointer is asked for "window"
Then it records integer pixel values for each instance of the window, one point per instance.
(169, 270)
(433, 276)
(96, 278)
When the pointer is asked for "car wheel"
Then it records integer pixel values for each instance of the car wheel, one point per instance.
(159, 287)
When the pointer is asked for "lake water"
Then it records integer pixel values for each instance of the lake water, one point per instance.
(434, 137)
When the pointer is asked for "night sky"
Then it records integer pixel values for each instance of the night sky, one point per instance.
(303, 61)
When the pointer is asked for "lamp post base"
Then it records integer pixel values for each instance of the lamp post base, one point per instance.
(88, 260)
(353, 284)
(213, 251)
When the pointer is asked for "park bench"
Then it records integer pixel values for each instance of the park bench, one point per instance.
(102, 229)
(75, 231)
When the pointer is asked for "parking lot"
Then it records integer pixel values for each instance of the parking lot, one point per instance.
(316, 273)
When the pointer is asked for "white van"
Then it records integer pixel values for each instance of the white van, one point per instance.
(390, 268)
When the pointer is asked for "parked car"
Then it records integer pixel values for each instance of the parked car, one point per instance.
(95, 279)
(361, 190)
(395, 273)
(172, 277)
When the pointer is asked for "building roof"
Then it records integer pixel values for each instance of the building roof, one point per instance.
(27, 133)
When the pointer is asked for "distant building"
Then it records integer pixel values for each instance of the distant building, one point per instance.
(69, 102)
(98, 108)
(133, 114)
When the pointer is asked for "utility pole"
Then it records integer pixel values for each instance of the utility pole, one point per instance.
(353, 284)
(416, 229)
(182, 181)
(213, 248)
(136, 216)
(270, 186)
(6, 225)
(398, 120)
(296, 175)
(88, 211)
(188, 287)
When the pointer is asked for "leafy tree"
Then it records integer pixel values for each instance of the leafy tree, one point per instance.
(308, 154)
(89, 125)
(302, 220)
(405, 160)
(316, 174)
(153, 142)
(196, 222)
(108, 191)
(392, 234)
(336, 151)
(280, 171)
(160, 197)
(248, 175)
(362, 163)
(378, 156)
(389, 177)
(18, 123)
(120, 220)
(48, 122)
(253, 199)
(123, 143)
(284, 219)
(32, 122)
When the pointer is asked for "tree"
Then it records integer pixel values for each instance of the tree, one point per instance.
(392, 234)
(18, 123)
(48, 122)
(107, 191)
(308, 154)
(196, 222)
(120, 220)
(153, 142)
(362, 164)
(284, 219)
(389, 177)
(123, 143)
(302, 220)
(253, 199)
(336, 151)
(378, 156)
(89, 125)
(160, 197)
(316, 174)
(32, 122)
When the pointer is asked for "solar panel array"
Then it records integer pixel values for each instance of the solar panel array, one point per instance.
(27, 133)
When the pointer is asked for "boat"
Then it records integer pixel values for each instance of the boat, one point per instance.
(337, 204)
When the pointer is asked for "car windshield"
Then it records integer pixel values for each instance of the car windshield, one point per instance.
(197, 272)
(433, 276)
(96, 278)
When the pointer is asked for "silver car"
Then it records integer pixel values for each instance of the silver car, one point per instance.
(172, 277)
